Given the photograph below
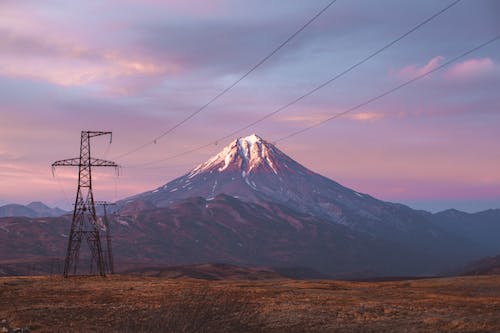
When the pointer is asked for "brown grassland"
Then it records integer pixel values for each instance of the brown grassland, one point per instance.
(147, 304)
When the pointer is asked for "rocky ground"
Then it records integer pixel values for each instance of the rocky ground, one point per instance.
(147, 304)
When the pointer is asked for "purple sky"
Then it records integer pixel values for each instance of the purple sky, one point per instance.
(138, 67)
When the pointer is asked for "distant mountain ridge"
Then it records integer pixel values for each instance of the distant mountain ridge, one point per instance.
(33, 209)
(481, 227)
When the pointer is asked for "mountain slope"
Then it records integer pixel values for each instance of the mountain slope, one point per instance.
(226, 229)
(484, 266)
(23, 237)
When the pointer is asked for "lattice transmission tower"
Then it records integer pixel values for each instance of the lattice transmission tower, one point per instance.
(84, 224)
(109, 249)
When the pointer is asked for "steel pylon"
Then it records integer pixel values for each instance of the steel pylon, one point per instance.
(84, 224)
(109, 249)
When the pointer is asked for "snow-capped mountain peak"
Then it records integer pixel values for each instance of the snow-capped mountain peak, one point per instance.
(255, 170)
(244, 154)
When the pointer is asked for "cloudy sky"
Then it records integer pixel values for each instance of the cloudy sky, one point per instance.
(137, 68)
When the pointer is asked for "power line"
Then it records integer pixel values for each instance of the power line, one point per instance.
(223, 92)
(187, 152)
(390, 91)
(328, 82)
(315, 89)
(358, 106)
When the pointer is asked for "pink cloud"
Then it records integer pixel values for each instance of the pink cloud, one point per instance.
(415, 70)
(75, 64)
(38, 48)
(308, 119)
(366, 116)
(314, 116)
(471, 68)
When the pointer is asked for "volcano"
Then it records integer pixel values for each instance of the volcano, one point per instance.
(256, 172)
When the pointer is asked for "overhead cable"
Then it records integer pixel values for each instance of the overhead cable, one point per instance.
(232, 85)
(310, 92)
(388, 92)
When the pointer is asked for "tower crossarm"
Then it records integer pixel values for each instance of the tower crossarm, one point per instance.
(102, 163)
(92, 134)
(67, 162)
(76, 162)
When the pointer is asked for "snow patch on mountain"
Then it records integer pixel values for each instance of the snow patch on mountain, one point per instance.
(246, 153)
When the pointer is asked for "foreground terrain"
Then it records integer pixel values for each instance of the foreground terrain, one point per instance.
(147, 304)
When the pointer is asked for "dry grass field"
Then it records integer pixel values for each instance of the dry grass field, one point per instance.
(138, 304)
